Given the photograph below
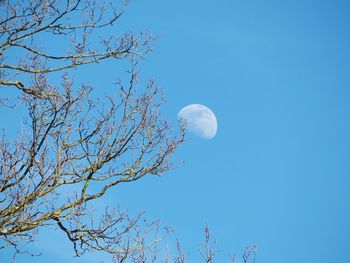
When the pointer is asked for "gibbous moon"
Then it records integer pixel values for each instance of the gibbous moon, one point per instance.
(199, 120)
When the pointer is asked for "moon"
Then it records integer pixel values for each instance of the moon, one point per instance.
(199, 120)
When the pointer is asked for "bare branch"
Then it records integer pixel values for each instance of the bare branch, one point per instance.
(70, 140)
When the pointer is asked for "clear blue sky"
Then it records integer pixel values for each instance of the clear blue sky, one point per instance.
(277, 75)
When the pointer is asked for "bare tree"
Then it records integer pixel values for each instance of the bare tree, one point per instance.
(72, 149)
(209, 252)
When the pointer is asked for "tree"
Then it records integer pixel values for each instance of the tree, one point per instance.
(72, 148)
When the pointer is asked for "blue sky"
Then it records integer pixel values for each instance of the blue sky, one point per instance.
(277, 76)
